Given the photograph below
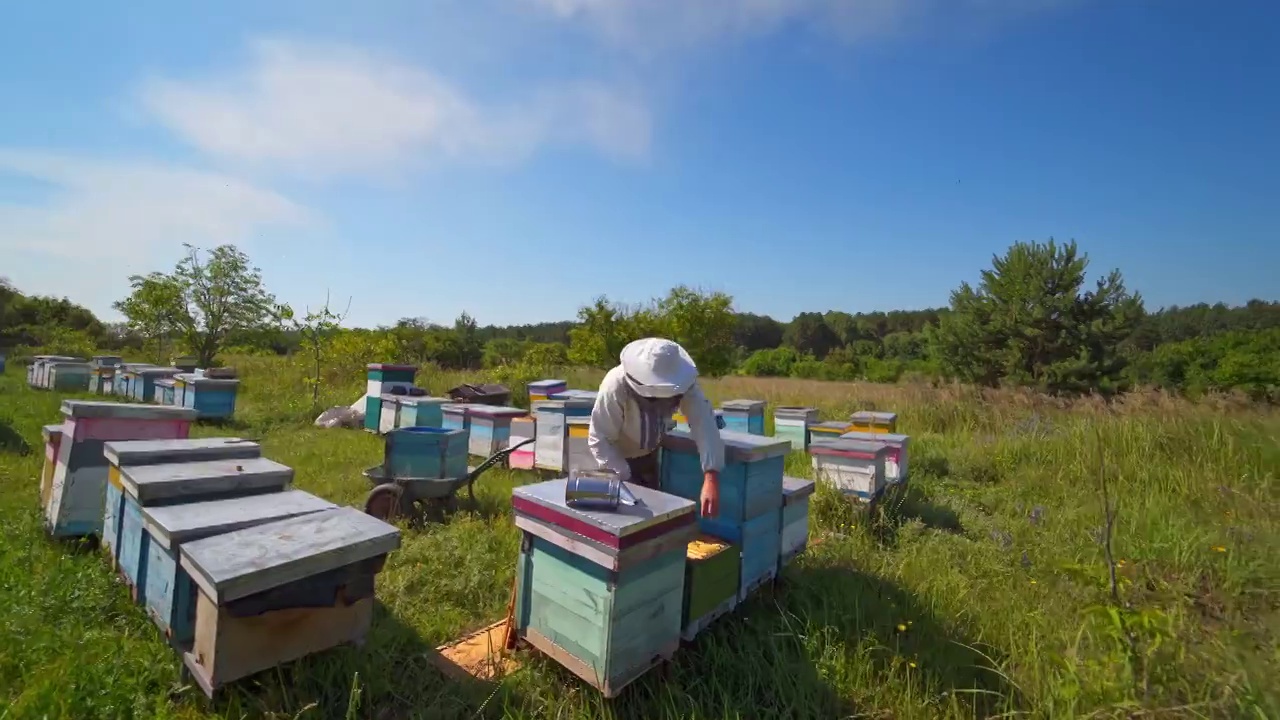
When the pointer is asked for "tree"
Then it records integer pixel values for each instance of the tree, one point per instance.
(316, 330)
(1031, 322)
(703, 324)
(202, 301)
(503, 351)
(810, 334)
(757, 332)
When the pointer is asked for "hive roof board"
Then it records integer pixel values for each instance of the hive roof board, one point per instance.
(870, 416)
(795, 489)
(170, 524)
(154, 483)
(156, 452)
(655, 511)
(860, 449)
(738, 447)
(124, 411)
(244, 562)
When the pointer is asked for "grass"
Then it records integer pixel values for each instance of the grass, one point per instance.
(983, 591)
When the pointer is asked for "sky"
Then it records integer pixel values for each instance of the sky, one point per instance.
(517, 158)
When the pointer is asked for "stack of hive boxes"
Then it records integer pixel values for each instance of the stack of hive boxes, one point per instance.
(750, 496)
(854, 468)
(744, 416)
(601, 592)
(522, 430)
(792, 424)
(551, 423)
(540, 390)
(381, 379)
(895, 462)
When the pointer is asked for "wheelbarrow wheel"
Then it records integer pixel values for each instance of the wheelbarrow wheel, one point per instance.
(385, 501)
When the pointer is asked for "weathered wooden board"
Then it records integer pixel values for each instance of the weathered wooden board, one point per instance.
(895, 462)
(160, 484)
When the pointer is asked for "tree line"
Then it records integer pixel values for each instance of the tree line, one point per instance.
(1031, 320)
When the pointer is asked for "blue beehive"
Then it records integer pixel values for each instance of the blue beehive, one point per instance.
(490, 428)
(601, 592)
(133, 453)
(454, 416)
(795, 518)
(421, 411)
(178, 483)
(144, 389)
(426, 452)
(382, 378)
(750, 495)
(792, 424)
(166, 391)
(170, 593)
(744, 416)
(210, 397)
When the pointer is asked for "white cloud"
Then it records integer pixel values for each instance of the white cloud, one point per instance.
(331, 109)
(106, 220)
(649, 26)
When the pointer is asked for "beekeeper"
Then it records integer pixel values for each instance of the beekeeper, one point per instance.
(633, 411)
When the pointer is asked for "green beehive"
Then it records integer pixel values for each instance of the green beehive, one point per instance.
(711, 576)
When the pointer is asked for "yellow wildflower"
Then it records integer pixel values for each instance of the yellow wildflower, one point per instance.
(902, 628)
(1219, 548)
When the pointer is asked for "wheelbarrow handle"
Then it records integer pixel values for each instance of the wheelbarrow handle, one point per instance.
(494, 460)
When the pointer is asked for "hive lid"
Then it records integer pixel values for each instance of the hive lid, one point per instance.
(831, 425)
(794, 489)
(175, 524)
(655, 514)
(892, 438)
(51, 431)
(165, 382)
(564, 404)
(390, 367)
(574, 395)
(211, 382)
(859, 449)
(248, 561)
(540, 384)
(69, 364)
(155, 370)
(497, 411)
(422, 400)
(870, 416)
(156, 452)
(168, 481)
(124, 411)
(738, 446)
(747, 405)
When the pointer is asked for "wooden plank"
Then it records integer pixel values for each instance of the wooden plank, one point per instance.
(171, 524)
(156, 452)
(248, 561)
(123, 411)
(152, 484)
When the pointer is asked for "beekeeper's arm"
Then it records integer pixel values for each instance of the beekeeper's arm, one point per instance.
(606, 426)
(701, 416)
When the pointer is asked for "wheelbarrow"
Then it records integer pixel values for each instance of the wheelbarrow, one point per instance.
(399, 496)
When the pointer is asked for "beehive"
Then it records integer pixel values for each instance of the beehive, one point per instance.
(38, 370)
(552, 446)
(792, 424)
(165, 392)
(425, 452)
(65, 376)
(212, 398)
(79, 487)
(185, 363)
(136, 453)
(750, 496)
(825, 431)
(873, 422)
(712, 576)
(276, 592)
(601, 592)
(101, 380)
(895, 462)
(380, 379)
(854, 468)
(421, 411)
(144, 389)
(456, 416)
(127, 378)
(580, 395)
(540, 390)
(52, 440)
(579, 455)
(179, 483)
(522, 429)
(169, 591)
(490, 428)
(744, 416)
(388, 413)
(795, 518)
(106, 361)
(682, 422)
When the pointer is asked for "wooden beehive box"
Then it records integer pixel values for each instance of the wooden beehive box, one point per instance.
(579, 455)
(127, 377)
(551, 448)
(40, 367)
(491, 428)
(165, 392)
(78, 493)
(52, 440)
(873, 422)
(712, 576)
(212, 398)
(67, 376)
(750, 496)
(795, 518)
(895, 463)
(792, 423)
(170, 593)
(179, 483)
(854, 468)
(744, 416)
(421, 411)
(136, 453)
(426, 453)
(522, 429)
(826, 431)
(144, 390)
(276, 592)
(106, 361)
(540, 390)
(601, 592)
(185, 363)
(456, 416)
(382, 377)
(101, 380)
(389, 413)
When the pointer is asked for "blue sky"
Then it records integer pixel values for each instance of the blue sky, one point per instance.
(515, 158)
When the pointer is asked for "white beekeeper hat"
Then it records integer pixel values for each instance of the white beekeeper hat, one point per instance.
(658, 368)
